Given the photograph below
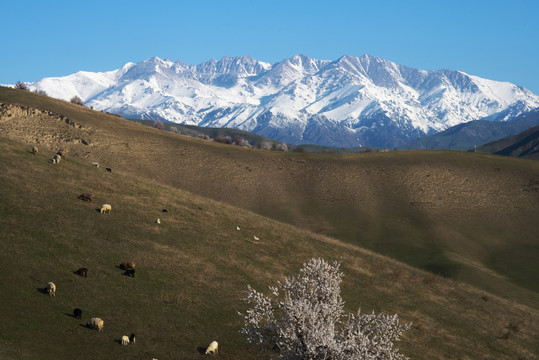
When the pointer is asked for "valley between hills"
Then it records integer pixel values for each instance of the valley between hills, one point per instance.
(445, 239)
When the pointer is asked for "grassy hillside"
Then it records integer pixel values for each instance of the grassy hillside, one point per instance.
(524, 145)
(471, 217)
(191, 271)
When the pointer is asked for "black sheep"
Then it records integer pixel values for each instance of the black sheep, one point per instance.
(77, 313)
(130, 272)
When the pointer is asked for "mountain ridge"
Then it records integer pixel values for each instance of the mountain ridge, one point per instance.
(351, 101)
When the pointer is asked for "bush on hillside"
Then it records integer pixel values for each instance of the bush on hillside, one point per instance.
(303, 318)
(77, 100)
(240, 141)
(21, 86)
(158, 125)
(223, 139)
(40, 92)
(203, 136)
(265, 145)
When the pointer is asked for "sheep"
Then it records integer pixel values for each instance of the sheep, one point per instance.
(238, 228)
(77, 313)
(105, 208)
(127, 265)
(158, 221)
(125, 340)
(212, 348)
(95, 164)
(34, 150)
(56, 159)
(256, 238)
(61, 152)
(132, 338)
(82, 272)
(164, 210)
(109, 170)
(130, 272)
(96, 324)
(50, 289)
(86, 197)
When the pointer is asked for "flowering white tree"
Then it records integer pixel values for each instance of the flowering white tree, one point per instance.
(303, 318)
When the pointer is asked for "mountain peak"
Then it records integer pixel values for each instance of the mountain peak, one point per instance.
(350, 101)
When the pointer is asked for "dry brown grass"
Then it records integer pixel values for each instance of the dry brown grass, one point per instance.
(468, 216)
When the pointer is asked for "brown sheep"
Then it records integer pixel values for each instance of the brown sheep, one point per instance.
(127, 265)
(82, 272)
(86, 197)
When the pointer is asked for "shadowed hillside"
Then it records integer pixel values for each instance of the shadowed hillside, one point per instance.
(468, 216)
(524, 145)
(192, 270)
(475, 133)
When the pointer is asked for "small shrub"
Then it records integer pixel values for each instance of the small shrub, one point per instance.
(203, 136)
(265, 145)
(223, 139)
(77, 100)
(158, 125)
(40, 92)
(21, 86)
(240, 141)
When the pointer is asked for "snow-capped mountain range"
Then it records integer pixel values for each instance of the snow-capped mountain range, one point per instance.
(352, 101)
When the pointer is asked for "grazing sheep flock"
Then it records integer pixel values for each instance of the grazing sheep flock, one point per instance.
(50, 289)
(129, 267)
(212, 348)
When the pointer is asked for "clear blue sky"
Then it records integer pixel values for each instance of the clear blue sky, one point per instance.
(498, 40)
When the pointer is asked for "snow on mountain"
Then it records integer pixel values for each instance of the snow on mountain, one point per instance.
(352, 101)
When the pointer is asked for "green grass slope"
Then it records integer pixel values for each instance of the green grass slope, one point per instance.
(471, 217)
(191, 272)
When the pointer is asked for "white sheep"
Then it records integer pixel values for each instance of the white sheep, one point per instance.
(256, 238)
(105, 208)
(95, 164)
(125, 340)
(158, 221)
(51, 289)
(212, 348)
(96, 323)
(238, 228)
